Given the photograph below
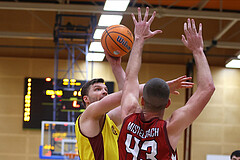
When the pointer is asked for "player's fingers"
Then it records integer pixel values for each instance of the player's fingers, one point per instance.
(152, 18)
(179, 78)
(146, 14)
(187, 83)
(194, 26)
(184, 40)
(157, 32)
(189, 26)
(139, 15)
(134, 19)
(186, 78)
(106, 53)
(186, 30)
(186, 86)
(200, 30)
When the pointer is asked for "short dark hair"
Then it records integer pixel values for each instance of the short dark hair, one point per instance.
(156, 94)
(86, 86)
(235, 153)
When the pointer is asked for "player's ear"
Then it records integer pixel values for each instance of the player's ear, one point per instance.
(86, 99)
(168, 104)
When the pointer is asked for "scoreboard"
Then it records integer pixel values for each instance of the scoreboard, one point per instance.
(39, 99)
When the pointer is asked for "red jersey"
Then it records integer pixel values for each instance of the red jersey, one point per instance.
(144, 140)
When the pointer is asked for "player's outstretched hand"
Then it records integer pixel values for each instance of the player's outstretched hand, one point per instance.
(142, 26)
(180, 82)
(193, 39)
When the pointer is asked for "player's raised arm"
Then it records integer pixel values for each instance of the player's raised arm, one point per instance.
(142, 32)
(119, 74)
(184, 116)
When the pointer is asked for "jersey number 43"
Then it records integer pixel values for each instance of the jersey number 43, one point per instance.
(136, 149)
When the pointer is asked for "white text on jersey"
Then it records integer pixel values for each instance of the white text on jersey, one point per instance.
(152, 132)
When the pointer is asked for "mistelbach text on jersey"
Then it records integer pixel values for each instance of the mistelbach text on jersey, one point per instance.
(152, 132)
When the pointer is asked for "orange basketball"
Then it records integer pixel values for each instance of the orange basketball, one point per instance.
(117, 40)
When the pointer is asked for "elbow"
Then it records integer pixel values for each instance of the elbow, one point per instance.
(211, 88)
(207, 88)
(206, 91)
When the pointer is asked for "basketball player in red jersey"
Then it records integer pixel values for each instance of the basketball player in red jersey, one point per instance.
(99, 141)
(144, 134)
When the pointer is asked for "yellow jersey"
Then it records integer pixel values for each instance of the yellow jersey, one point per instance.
(104, 146)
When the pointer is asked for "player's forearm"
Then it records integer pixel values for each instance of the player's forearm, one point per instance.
(130, 96)
(204, 76)
(135, 59)
(106, 104)
(119, 75)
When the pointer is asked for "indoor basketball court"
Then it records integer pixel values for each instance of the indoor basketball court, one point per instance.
(50, 49)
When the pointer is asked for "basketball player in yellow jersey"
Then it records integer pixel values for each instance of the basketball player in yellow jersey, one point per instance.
(96, 130)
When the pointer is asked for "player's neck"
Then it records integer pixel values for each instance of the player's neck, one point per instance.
(149, 115)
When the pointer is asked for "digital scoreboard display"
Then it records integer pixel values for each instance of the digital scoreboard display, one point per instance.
(39, 100)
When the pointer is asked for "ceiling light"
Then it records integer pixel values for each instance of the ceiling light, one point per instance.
(233, 63)
(108, 20)
(98, 33)
(96, 47)
(95, 56)
(116, 5)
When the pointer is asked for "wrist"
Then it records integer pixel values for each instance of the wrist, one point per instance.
(198, 50)
(115, 65)
(139, 38)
